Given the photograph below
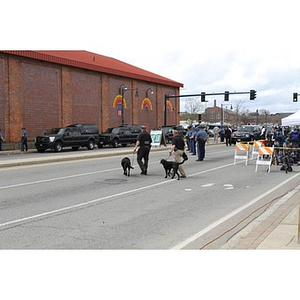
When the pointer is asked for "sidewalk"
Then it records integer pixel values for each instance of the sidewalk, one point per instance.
(277, 228)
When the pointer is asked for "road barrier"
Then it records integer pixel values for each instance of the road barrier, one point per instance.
(265, 156)
(255, 147)
(241, 151)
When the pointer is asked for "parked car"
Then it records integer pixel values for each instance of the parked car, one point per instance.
(74, 136)
(246, 133)
(123, 135)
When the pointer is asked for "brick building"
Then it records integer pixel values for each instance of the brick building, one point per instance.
(44, 89)
(220, 115)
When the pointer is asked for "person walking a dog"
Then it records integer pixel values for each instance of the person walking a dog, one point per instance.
(177, 147)
(144, 141)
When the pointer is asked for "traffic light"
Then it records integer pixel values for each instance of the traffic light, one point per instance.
(295, 97)
(202, 96)
(199, 118)
(252, 94)
(226, 96)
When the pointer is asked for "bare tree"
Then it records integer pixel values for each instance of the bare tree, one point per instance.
(264, 115)
(238, 108)
(193, 105)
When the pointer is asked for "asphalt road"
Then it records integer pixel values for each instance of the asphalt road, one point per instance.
(90, 204)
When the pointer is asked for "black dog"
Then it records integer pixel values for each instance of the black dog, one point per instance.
(169, 165)
(126, 164)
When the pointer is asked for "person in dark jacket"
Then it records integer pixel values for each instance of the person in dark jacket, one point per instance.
(178, 147)
(144, 141)
(228, 133)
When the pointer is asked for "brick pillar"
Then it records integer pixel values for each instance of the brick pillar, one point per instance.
(135, 104)
(160, 106)
(105, 103)
(66, 97)
(15, 99)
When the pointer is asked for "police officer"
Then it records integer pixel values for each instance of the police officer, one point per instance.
(201, 139)
(193, 141)
(24, 145)
(144, 141)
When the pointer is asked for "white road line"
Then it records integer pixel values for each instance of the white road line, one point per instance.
(55, 179)
(81, 204)
(96, 200)
(83, 174)
(232, 214)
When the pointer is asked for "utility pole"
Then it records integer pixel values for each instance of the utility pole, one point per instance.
(203, 95)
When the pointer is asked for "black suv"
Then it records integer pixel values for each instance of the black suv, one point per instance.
(167, 130)
(74, 135)
(123, 135)
(246, 133)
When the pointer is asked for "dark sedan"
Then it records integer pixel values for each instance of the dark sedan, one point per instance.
(246, 133)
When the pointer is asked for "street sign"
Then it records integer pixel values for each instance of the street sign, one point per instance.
(158, 138)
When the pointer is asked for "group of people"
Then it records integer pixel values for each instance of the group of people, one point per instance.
(143, 147)
(192, 137)
(224, 133)
(194, 142)
(278, 137)
(196, 137)
(24, 145)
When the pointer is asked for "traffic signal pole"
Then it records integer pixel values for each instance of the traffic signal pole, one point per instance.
(202, 95)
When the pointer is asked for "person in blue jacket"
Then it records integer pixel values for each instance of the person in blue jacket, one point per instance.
(24, 140)
(201, 140)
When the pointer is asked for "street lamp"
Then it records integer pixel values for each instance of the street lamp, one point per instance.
(170, 95)
(149, 90)
(222, 112)
(122, 90)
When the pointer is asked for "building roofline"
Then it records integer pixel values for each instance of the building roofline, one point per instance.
(95, 62)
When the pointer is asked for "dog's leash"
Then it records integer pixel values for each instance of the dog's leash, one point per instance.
(133, 157)
(170, 154)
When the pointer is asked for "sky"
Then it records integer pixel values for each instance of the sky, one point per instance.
(209, 46)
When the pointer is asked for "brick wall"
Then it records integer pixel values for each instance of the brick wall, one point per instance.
(2, 96)
(40, 95)
(41, 87)
(86, 97)
(114, 85)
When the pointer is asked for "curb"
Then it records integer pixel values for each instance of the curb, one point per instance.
(14, 162)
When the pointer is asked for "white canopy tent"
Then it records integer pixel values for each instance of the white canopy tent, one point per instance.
(292, 120)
